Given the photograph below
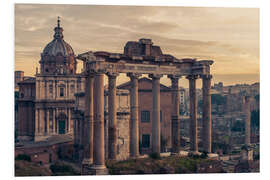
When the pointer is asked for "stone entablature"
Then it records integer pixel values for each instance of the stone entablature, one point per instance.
(118, 63)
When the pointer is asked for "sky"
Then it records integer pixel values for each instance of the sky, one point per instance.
(229, 36)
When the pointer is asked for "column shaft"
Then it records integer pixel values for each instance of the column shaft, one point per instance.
(134, 116)
(54, 122)
(207, 124)
(193, 114)
(48, 121)
(156, 113)
(88, 118)
(112, 104)
(175, 119)
(99, 153)
(36, 122)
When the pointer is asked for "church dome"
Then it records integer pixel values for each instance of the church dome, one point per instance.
(58, 46)
(58, 56)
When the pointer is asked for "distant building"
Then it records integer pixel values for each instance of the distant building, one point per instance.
(123, 118)
(183, 106)
(145, 113)
(18, 77)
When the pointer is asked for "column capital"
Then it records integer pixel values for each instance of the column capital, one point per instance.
(192, 77)
(112, 74)
(93, 72)
(155, 76)
(172, 76)
(133, 75)
(206, 76)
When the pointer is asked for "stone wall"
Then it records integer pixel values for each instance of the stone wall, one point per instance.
(123, 136)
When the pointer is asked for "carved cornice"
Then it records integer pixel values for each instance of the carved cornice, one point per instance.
(192, 77)
(112, 74)
(206, 76)
(133, 75)
(155, 76)
(171, 76)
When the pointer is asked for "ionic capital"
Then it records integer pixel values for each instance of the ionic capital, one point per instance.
(99, 71)
(133, 75)
(89, 73)
(155, 76)
(172, 76)
(112, 74)
(192, 77)
(206, 76)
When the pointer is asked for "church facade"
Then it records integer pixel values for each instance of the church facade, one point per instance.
(53, 98)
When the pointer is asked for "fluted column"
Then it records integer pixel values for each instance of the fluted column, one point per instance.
(156, 112)
(175, 119)
(247, 119)
(206, 118)
(88, 119)
(54, 122)
(48, 121)
(193, 131)
(36, 121)
(134, 115)
(112, 110)
(98, 151)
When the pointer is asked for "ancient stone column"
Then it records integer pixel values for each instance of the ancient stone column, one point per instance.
(247, 119)
(206, 116)
(193, 132)
(156, 112)
(175, 119)
(112, 110)
(134, 116)
(98, 166)
(88, 120)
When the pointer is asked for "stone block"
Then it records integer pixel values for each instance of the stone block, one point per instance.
(165, 154)
(213, 156)
(183, 153)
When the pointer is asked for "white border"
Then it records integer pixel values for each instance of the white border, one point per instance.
(7, 76)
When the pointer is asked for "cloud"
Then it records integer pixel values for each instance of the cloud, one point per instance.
(230, 36)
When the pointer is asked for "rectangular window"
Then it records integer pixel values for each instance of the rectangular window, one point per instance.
(51, 88)
(61, 92)
(51, 120)
(160, 116)
(72, 88)
(145, 140)
(145, 116)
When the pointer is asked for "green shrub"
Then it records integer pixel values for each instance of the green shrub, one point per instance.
(62, 169)
(203, 155)
(23, 157)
